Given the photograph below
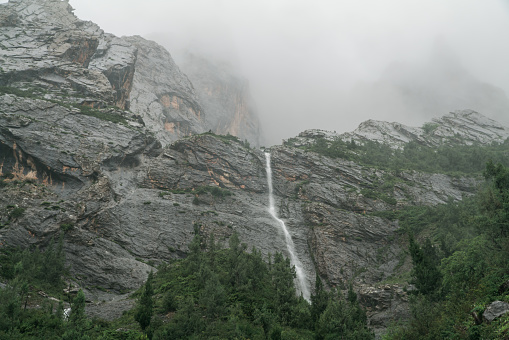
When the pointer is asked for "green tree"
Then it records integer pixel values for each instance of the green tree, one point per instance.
(283, 276)
(144, 310)
(78, 323)
(342, 320)
(495, 202)
(425, 273)
(319, 300)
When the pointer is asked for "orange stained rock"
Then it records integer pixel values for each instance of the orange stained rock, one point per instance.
(166, 100)
(65, 168)
(170, 127)
(175, 102)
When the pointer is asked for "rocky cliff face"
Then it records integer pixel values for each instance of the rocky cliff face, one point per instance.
(458, 127)
(44, 44)
(80, 164)
(225, 98)
(163, 95)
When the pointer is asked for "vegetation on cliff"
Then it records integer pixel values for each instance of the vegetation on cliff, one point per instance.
(462, 265)
(214, 294)
(447, 158)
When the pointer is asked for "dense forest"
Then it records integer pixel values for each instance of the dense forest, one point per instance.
(460, 265)
(459, 251)
(214, 293)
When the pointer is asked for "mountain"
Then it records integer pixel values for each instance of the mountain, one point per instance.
(102, 140)
(459, 127)
(45, 44)
(418, 91)
(225, 97)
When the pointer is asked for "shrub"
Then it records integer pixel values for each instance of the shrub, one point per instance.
(15, 213)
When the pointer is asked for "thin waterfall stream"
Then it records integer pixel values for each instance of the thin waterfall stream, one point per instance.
(302, 283)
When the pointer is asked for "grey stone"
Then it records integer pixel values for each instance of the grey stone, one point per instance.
(225, 98)
(494, 310)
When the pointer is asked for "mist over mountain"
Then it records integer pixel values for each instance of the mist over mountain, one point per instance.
(326, 64)
(135, 195)
(416, 92)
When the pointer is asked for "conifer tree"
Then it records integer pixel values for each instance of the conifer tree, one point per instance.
(425, 273)
(144, 311)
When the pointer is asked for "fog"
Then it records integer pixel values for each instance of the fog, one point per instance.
(331, 64)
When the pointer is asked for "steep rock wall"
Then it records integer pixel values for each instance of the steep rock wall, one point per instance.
(225, 98)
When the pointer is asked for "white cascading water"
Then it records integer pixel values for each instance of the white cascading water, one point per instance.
(302, 283)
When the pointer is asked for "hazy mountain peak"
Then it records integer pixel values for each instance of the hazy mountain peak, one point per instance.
(460, 126)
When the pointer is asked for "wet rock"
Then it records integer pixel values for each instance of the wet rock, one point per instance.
(457, 127)
(162, 95)
(224, 97)
(494, 310)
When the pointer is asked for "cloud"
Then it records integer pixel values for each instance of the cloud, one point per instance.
(324, 63)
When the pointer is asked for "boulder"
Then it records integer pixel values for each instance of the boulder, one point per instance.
(494, 310)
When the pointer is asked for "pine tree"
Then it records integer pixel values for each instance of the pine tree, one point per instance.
(144, 311)
(425, 273)
(319, 299)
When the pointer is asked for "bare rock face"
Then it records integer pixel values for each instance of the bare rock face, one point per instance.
(163, 95)
(458, 127)
(384, 304)
(494, 310)
(224, 97)
(45, 45)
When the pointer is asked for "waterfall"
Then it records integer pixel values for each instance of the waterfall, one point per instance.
(302, 283)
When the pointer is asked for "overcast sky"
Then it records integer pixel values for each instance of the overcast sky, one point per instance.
(309, 63)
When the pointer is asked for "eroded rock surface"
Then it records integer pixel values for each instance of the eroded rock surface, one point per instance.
(163, 95)
(225, 98)
(495, 309)
(458, 127)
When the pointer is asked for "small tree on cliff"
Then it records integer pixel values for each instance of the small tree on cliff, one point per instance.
(144, 311)
(425, 274)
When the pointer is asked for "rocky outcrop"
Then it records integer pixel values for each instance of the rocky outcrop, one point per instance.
(456, 128)
(385, 304)
(48, 47)
(127, 204)
(45, 45)
(163, 95)
(225, 98)
(495, 310)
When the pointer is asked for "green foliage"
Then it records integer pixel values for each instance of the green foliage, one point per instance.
(201, 190)
(452, 159)
(495, 202)
(219, 294)
(66, 227)
(38, 93)
(214, 191)
(106, 116)
(40, 268)
(230, 293)
(462, 264)
(429, 127)
(425, 273)
(343, 319)
(228, 138)
(144, 311)
(16, 213)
